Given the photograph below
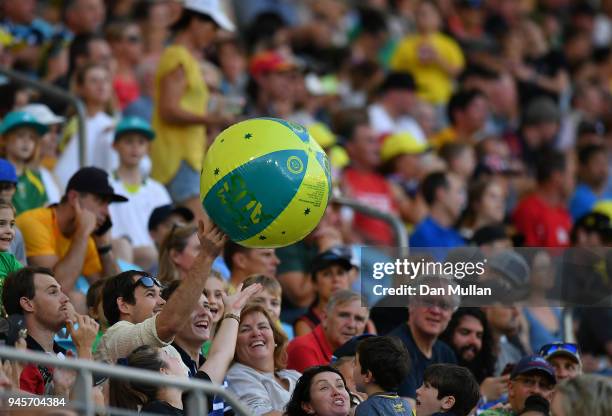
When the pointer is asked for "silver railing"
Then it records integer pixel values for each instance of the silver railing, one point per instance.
(60, 94)
(399, 230)
(81, 399)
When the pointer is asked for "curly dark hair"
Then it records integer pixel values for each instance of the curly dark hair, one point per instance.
(301, 393)
(483, 364)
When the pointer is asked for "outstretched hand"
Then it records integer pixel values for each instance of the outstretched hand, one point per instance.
(235, 302)
(212, 239)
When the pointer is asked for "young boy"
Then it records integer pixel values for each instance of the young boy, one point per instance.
(447, 389)
(381, 363)
(130, 229)
(270, 297)
(95, 309)
(21, 135)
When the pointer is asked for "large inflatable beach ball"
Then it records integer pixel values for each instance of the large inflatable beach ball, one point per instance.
(265, 182)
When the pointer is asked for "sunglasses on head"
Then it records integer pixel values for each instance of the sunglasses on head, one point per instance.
(549, 349)
(148, 281)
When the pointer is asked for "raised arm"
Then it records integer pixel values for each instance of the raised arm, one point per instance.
(176, 312)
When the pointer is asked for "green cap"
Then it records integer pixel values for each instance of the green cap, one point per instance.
(134, 124)
(16, 119)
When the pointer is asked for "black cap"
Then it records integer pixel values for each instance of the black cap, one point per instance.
(162, 213)
(94, 181)
(489, 234)
(329, 257)
(398, 81)
(349, 348)
(595, 222)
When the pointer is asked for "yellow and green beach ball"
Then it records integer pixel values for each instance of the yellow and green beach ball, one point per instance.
(265, 182)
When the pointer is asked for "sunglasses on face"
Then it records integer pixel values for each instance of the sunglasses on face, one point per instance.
(549, 349)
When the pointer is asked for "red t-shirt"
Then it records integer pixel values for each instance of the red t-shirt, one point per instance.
(127, 90)
(542, 225)
(371, 189)
(308, 350)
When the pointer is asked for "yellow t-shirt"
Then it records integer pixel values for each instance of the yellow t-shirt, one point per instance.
(434, 84)
(174, 143)
(42, 237)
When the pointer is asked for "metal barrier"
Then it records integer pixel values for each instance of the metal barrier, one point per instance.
(82, 392)
(59, 93)
(401, 236)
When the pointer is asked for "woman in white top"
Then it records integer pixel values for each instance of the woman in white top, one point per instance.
(258, 376)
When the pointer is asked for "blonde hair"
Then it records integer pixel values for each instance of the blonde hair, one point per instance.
(269, 283)
(175, 241)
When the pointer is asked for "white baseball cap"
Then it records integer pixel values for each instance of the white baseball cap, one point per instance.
(213, 9)
(43, 114)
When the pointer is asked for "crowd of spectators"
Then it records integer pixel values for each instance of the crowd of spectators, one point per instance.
(484, 125)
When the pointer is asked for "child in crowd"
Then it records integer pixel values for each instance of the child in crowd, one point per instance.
(343, 360)
(94, 87)
(448, 389)
(270, 297)
(95, 309)
(47, 154)
(381, 363)
(214, 290)
(330, 273)
(21, 135)
(8, 262)
(130, 220)
(8, 186)
(163, 219)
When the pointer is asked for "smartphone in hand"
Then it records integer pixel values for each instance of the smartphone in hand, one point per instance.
(101, 230)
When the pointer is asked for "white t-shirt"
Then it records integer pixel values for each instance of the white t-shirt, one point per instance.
(260, 392)
(100, 131)
(383, 123)
(51, 186)
(132, 218)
